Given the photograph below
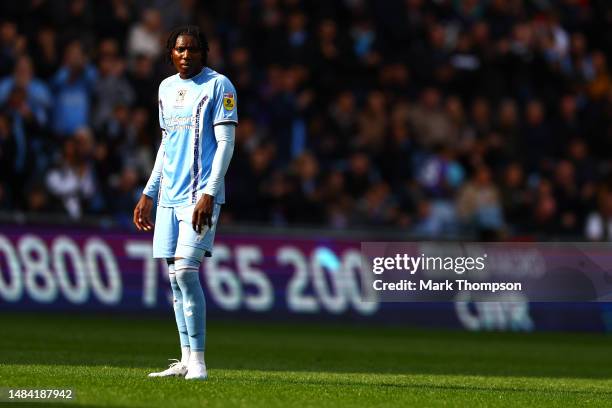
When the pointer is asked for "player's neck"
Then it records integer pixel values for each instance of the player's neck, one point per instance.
(186, 76)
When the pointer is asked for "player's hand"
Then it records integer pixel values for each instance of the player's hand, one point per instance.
(202, 213)
(142, 213)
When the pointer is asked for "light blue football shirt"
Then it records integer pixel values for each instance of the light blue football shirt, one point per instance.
(188, 111)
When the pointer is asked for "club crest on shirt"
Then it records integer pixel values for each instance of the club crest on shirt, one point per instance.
(180, 97)
(229, 101)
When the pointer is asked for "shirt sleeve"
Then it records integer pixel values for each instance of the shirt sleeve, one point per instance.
(225, 136)
(162, 123)
(153, 185)
(225, 104)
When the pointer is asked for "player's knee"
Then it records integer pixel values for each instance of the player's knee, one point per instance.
(187, 271)
(186, 263)
(174, 284)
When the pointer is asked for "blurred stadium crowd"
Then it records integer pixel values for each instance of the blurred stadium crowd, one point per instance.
(439, 118)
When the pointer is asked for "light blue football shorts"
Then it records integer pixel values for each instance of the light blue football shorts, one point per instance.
(174, 236)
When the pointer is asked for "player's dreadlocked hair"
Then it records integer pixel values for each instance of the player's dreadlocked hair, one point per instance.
(193, 31)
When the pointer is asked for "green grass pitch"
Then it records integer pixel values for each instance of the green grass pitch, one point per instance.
(106, 360)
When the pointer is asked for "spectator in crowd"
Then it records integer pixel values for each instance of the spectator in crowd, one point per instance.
(376, 208)
(21, 141)
(600, 83)
(440, 174)
(598, 225)
(125, 190)
(568, 195)
(143, 81)
(73, 87)
(11, 46)
(360, 175)
(72, 181)
(45, 53)
(39, 201)
(8, 146)
(373, 124)
(146, 36)
(38, 97)
(545, 220)
(111, 88)
(537, 138)
(430, 121)
(515, 197)
(479, 203)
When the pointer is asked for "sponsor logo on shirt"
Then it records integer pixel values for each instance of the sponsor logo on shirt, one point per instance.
(180, 122)
(229, 101)
(180, 97)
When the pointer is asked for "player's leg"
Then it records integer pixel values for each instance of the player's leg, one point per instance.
(194, 311)
(191, 249)
(177, 304)
(165, 238)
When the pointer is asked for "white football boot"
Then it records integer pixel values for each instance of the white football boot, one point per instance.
(196, 370)
(176, 369)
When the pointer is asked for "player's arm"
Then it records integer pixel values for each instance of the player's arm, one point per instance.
(152, 187)
(142, 211)
(225, 134)
(144, 207)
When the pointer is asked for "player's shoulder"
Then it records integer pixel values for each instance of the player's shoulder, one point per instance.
(217, 79)
(167, 82)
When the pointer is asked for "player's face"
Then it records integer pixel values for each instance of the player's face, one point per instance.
(187, 56)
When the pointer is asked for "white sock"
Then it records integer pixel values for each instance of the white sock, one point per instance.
(185, 352)
(197, 356)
